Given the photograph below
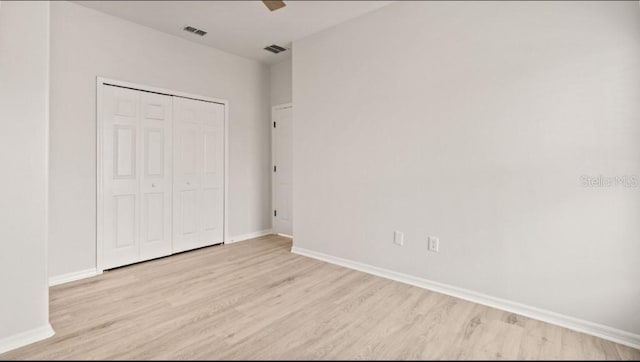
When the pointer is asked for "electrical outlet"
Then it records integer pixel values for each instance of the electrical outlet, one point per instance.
(398, 238)
(434, 244)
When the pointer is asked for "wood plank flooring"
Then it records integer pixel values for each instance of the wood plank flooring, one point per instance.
(256, 300)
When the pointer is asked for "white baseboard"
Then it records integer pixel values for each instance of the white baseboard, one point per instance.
(27, 337)
(285, 235)
(257, 234)
(594, 329)
(69, 277)
(87, 273)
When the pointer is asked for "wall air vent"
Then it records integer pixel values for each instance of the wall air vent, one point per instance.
(275, 48)
(191, 29)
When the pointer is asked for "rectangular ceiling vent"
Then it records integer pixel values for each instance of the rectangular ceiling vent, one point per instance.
(191, 29)
(275, 48)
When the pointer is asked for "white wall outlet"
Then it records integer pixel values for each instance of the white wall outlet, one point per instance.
(398, 238)
(434, 244)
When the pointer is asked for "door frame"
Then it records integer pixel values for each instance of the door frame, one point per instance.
(102, 81)
(273, 163)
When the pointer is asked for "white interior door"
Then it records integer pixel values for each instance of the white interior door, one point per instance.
(156, 175)
(136, 176)
(212, 196)
(282, 169)
(198, 196)
(120, 176)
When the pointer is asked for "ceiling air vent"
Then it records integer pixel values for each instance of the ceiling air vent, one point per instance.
(191, 29)
(275, 48)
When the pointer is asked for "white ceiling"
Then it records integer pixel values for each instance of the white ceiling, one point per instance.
(239, 27)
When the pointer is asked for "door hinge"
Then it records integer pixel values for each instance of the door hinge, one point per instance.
(275, 212)
(274, 168)
(274, 124)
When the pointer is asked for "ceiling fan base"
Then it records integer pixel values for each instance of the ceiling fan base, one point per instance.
(274, 4)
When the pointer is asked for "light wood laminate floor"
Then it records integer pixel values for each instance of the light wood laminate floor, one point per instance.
(256, 300)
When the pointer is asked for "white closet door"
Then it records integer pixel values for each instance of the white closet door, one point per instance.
(136, 162)
(120, 176)
(156, 175)
(212, 216)
(198, 201)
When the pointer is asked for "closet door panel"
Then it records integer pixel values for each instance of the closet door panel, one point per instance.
(156, 127)
(186, 176)
(120, 168)
(213, 173)
(198, 174)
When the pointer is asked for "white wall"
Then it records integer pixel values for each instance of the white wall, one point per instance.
(474, 122)
(24, 87)
(85, 44)
(281, 82)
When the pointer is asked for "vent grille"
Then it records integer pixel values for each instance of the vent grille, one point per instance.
(196, 31)
(275, 48)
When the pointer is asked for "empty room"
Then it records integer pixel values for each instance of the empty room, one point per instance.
(320, 180)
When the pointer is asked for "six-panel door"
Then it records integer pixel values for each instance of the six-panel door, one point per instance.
(146, 176)
(156, 126)
(198, 182)
(120, 160)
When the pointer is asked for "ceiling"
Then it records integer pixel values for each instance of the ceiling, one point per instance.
(239, 27)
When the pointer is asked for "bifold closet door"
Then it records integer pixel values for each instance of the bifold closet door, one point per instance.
(136, 160)
(198, 182)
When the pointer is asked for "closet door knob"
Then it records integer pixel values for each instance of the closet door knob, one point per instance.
(153, 185)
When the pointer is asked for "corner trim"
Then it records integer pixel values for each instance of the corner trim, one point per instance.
(70, 277)
(248, 236)
(579, 325)
(25, 338)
